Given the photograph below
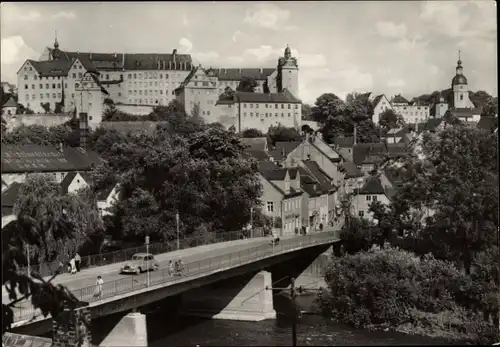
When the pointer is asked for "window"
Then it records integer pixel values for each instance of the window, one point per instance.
(276, 115)
(53, 86)
(58, 95)
(80, 75)
(25, 77)
(59, 85)
(26, 86)
(76, 85)
(289, 115)
(296, 106)
(374, 198)
(35, 77)
(282, 115)
(251, 114)
(276, 106)
(119, 94)
(361, 214)
(41, 96)
(244, 114)
(47, 86)
(135, 76)
(282, 105)
(74, 75)
(256, 105)
(368, 198)
(27, 96)
(270, 206)
(33, 96)
(289, 106)
(54, 95)
(208, 113)
(129, 77)
(461, 96)
(47, 95)
(244, 105)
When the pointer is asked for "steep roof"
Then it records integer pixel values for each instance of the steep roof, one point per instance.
(319, 175)
(464, 112)
(398, 99)
(238, 74)
(256, 143)
(283, 148)
(10, 102)
(103, 194)
(35, 158)
(70, 177)
(487, 123)
(256, 154)
(9, 196)
(377, 99)
(131, 61)
(344, 142)
(134, 126)
(372, 186)
(362, 150)
(278, 174)
(267, 165)
(284, 97)
(432, 124)
(351, 170)
(52, 68)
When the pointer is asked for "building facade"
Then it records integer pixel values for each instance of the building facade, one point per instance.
(412, 112)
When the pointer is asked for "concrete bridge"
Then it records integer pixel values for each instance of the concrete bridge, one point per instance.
(226, 282)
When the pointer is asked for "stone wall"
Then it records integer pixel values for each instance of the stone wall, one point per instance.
(72, 328)
(18, 340)
(136, 110)
(47, 120)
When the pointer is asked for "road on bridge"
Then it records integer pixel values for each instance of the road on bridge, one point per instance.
(109, 273)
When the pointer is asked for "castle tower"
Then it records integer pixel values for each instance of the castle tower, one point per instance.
(460, 88)
(288, 73)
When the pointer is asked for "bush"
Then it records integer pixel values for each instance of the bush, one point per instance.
(359, 235)
(383, 286)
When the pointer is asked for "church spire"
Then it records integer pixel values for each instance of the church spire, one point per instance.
(56, 44)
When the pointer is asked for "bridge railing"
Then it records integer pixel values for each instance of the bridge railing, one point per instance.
(191, 270)
(49, 268)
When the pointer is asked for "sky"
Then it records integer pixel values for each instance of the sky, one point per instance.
(390, 47)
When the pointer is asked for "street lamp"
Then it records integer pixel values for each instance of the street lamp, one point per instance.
(177, 222)
(147, 257)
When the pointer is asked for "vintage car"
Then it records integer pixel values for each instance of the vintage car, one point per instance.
(140, 262)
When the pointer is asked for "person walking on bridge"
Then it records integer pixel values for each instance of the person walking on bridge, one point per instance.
(98, 289)
(78, 261)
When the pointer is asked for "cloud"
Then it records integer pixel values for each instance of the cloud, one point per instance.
(396, 83)
(268, 16)
(206, 58)
(63, 15)
(237, 35)
(185, 20)
(389, 29)
(186, 45)
(14, 54)
(446, 17)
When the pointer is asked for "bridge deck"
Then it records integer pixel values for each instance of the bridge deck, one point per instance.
(197, 260)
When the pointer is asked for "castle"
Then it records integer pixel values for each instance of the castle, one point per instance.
(139, 79)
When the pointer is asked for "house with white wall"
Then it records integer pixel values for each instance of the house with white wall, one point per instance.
(106, 198)
(377, 187)
(380, 105)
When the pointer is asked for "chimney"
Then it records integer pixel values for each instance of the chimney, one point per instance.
(123, 60)
(261, 70)
(355, 135)
(158, 64)
(90, 57)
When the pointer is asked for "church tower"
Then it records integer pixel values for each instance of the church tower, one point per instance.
(460, 88)
(288, 73)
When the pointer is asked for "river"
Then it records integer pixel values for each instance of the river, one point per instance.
(167, 328)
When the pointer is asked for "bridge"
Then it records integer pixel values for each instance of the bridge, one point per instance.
(225, 280)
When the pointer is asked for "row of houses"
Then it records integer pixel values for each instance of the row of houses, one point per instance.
(67, 166)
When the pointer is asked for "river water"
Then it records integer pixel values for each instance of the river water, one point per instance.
(167, 328)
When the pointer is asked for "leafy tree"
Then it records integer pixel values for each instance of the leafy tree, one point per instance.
(391, 120)
(51, 225)
(359, 235)
(251, 133)
(459, 181)
(59, 108)
(28, 111)
(45, 106)
(479, 98)
(40, 135)
(4, 128)
(327, 106)
(280, 133)
(490, 107)
(307, 112)
(228, 94)
(20, 109)
(391, 287)
(247, 84)
(307, 129)
(188, 173)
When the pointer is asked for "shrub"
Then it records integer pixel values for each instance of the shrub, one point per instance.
(388, 284)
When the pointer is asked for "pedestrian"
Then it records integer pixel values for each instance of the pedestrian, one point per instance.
(78, 261)
(98, 289)
(72, 266)
(170, 268)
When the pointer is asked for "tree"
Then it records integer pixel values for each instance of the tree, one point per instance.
(51, 225)
(188, 173)
(490, 107)
(307, 129)
(307, 112)
(45, 106)
(228, 94)
(196, 111)
(459, 181)
(327, 106)
(359, 235)
(40, 135)
(280, 133)
(251, 133)
(4, 128)
(20, 109)
(391, 120)
(59, 108)
(247, 84)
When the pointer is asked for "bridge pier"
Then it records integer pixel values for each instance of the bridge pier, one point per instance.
(241, 298)
(72, 328)
(131, 330)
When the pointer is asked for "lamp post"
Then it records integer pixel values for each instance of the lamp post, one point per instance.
(177, 222)
(147, 261)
